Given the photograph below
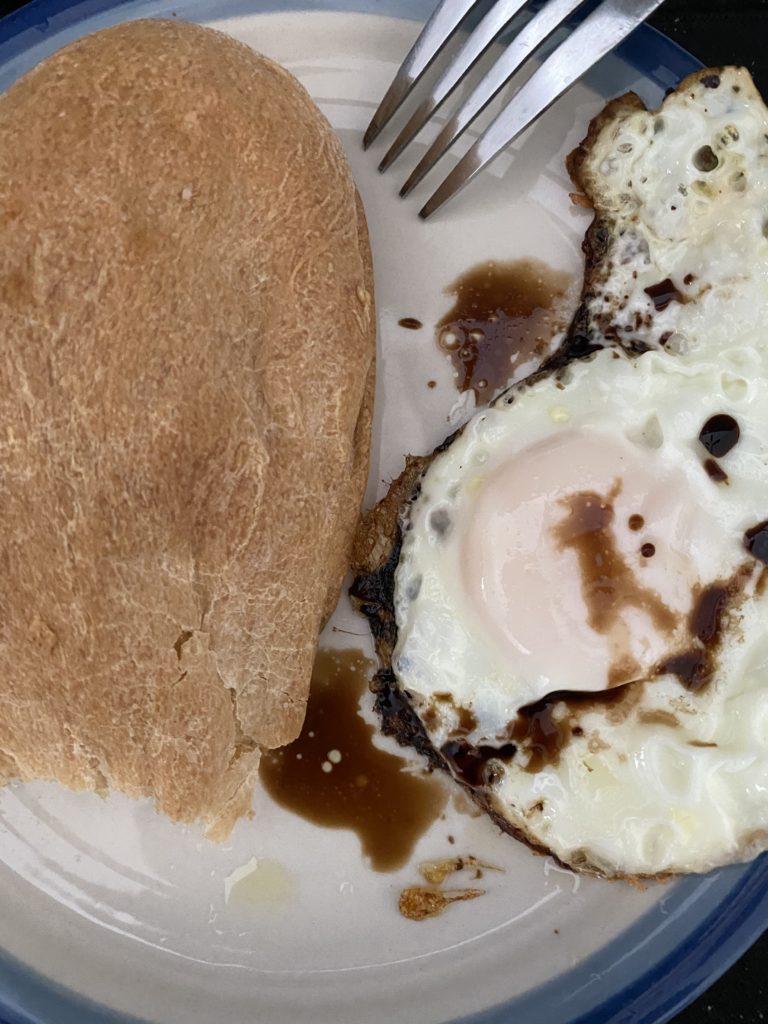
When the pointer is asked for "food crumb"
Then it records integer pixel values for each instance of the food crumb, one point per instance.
(436, 871)
(417, 903)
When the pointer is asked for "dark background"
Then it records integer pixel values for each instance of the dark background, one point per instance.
(720, 32)
(717, 32)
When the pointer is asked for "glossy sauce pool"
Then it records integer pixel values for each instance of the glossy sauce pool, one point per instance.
(504, 314)
(334, 776)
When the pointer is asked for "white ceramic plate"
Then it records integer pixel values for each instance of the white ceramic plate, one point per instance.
(109, 909)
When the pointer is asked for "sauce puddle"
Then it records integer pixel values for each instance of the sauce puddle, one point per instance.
(504, 314)
(334, 776)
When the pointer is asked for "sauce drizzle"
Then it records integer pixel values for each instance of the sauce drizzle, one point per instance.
(695, 666)
(609, 586)
(544, 728)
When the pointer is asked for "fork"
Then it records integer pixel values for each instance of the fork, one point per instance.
(599, 33)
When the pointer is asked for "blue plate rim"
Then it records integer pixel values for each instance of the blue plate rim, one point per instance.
(737, 904)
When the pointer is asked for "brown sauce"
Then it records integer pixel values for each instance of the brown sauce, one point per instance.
(663, 293)
(715, 471)
(334, 776)
(756, 542)
(410, 323)
(707, 613)
(503, 315)
(608, 584)
(719, 434)
(695, 666)
(466, 721)
(475, 764)
(543, 729)
(692, 668)
(658, 717)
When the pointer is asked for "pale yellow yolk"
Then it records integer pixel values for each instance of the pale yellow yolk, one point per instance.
(579, 560)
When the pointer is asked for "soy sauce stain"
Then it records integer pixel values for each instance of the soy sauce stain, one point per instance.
(544, 728)
(715, 471)
(477, 765)
(465, 721)
(659, 717)
(695, 666)
(719, 434)
(663, 293)
(756, 541)
(608, 584)
(334, 776)
(503, 315)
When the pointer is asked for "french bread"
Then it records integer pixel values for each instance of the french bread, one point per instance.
(186, 385)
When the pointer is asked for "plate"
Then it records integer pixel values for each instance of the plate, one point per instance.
(110, 913)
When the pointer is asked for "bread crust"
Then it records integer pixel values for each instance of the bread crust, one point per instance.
(186, 306)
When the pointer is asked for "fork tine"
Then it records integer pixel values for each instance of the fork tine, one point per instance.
(444, 21)
(494, 22)
(538, 29)
(597, 35)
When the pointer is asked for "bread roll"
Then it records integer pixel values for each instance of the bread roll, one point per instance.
(186, 384)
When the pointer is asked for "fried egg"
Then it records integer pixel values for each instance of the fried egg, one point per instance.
(580, 596)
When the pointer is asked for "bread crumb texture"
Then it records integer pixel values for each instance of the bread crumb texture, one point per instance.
(186, 382)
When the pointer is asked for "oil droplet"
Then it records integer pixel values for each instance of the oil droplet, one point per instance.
(450, 340)
(366, 790)
(259, 883)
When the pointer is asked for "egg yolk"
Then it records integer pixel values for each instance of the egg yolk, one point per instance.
(579, 557)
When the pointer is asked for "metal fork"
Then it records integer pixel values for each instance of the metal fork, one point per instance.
(599, 33)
